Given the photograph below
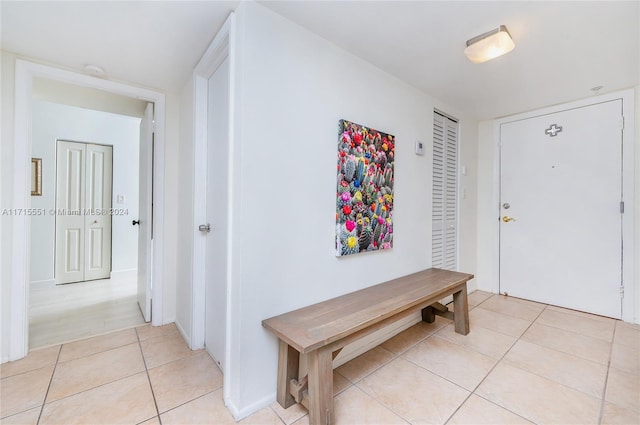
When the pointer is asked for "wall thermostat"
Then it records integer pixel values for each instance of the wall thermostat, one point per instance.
(419, 148)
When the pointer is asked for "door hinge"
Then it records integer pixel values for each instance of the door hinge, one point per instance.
(621, 291)
(621, 207)
(621, 123)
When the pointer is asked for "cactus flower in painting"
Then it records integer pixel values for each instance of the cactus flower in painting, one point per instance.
(350, 225)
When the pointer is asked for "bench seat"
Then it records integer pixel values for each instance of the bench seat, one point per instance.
(321, 330)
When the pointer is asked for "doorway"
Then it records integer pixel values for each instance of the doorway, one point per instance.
(561, 223)
(216, 213)
(78, 289)
(213, 100)
(26, 72)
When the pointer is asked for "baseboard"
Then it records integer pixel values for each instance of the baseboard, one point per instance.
(119, 274)
(184, 334)
(239, 414)
(123, 274)
(43, 283)
(4, 359)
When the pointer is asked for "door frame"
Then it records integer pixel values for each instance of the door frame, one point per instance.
(222, 46)
(629, 313)
(25, 72)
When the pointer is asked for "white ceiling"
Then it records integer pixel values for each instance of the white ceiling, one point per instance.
(562, 48)
(151, 43)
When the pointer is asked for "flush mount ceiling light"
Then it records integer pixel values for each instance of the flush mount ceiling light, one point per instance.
(489, 45)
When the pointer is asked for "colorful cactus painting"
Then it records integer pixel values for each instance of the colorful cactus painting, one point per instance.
(364, 194)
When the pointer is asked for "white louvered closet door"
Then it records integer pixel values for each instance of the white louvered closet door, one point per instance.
(445, 190)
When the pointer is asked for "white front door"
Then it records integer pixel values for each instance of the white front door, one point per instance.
(217, 194)
(83, 201)
(560, 223)
(144, 222)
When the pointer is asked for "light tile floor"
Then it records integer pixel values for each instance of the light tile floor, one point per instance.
(522, 363)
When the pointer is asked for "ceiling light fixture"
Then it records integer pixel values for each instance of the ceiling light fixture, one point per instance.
(489, 45)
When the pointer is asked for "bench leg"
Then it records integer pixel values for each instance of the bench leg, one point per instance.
(428, 315)
(288, 362)
(320, 387)
(461, 311)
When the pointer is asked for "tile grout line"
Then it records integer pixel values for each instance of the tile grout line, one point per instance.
(433, 334)
(186, 402)
(281, 419)
(44, 401)
(401, 356)
(101, 352)
(606, 378)
(574, 331)
(396, 356)
(494, 367)
(146, 370)
(608, 364)
(383, 405)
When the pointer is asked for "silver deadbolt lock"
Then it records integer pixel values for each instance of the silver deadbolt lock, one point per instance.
(204, 228)
(506, 206)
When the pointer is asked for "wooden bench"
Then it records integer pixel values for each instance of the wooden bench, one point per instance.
(321, 330)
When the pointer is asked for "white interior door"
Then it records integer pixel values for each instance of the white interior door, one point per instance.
(70, 201)
(145, 224)
(562, 188)
(97, 217)
(217, 194)
(83, 200)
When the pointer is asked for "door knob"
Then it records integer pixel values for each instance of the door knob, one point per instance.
(507, 219)
(204, 228)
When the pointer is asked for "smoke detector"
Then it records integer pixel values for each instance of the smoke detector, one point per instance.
(94, 70)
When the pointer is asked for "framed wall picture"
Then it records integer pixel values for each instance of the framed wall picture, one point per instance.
(364, 194)
(36, 176)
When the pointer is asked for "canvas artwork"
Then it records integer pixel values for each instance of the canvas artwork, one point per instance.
(364, 197)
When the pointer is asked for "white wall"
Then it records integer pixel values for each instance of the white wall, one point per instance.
(468, 199)
(86, 97)
(173, 211)
(184, 227)
(51, 122)
(293, 87)
(487, 213)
